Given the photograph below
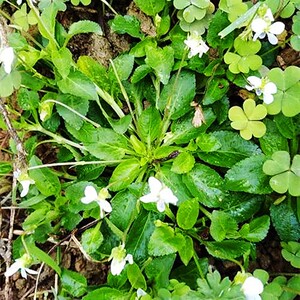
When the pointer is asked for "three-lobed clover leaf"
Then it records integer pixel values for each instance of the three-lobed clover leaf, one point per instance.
(287, 97)
(286, 176)
(247, 119)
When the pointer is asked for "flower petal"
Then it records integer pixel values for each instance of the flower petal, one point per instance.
(161, 206)
(117, 266)
(14, 268)
(277, 28)
(270, 88)
(32, 272)
(272, 38)
(129, 258)
(105, 205)
(149, 198)
(155, 185)
(254, 81)
(167, 196)
(268, 98)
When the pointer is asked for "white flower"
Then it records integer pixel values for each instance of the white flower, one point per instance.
(21, 264)
(24, 180)
(91, 195)
(263, 26)
(119, 259)
(196, 45)
(160, 194)
(252, 287)
(262, 86)
(140, 293)
(7, 57)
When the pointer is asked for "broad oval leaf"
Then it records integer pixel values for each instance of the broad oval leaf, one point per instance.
(187, 214)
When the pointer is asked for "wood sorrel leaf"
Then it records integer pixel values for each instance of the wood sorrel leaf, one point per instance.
(280, 163)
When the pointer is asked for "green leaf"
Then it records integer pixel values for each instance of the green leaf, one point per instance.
(247, 176)
(183, 163)
(124, 65)
(62, 60)
(291, 253)
(149, 123)
(140, 72)
(9, 82)
(43, 257)
(286, 126)
(285, 222)
(228, 249)
(127, 24)
(178, 94)
(139, 235)
(91, 239)
(256, 230)
(161, 60)
(73, 282)
(164, 241)
(222, 226)
(205, 184)
(158, 270)
(28, 100)
(105, 144)
(135, 277)
(45, 180)
(79, 85)
(216, 89)
(80, 105)
(183, 130)
(186, 251)
(187, 214)
(124, 174)
(286, 99)
(151, 7)
(84, 26)
(106, 293)
(123, 208)
(225, 148)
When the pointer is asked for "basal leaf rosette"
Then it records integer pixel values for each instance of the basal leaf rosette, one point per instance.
(287, 97)
(286, 176)
(247, 120)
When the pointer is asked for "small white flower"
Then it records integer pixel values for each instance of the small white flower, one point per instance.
(262, 86)
(140, 293)
(91, 195)
(252, 287)
(263, 26)
(7, 57)
(21, 264)
(119, 259)
(196, 45)
(24, 180)
(160, 194)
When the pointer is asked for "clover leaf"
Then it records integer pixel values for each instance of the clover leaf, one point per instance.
(247, 119)
(286, 176)
(287, 97)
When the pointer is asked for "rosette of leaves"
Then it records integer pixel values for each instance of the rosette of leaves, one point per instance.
(247, 120)
(285, 176)
(245, 58)
(287, 97)
(194, 15)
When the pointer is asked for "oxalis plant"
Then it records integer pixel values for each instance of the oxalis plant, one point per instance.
(185, 148)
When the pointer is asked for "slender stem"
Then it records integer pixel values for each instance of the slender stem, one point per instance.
(196, 260)
(75, 112)
(109, 6)
(77, 163)
(205, 211)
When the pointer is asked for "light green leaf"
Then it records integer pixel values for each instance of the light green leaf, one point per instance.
(187, 214)
(291, 253)
(183, 163)
(84, 26)
(91, 239)
(124, 174)
(45, 180)
(127, 24)
(9, 82)
(256, 230)
(222, 226)
(135, 277)
(151, 7)
(106, 293)
(124, 65)
(73, 282)
(28, 100)
(186, 252)
(62, 60)
(79, 85)
(161, 60)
